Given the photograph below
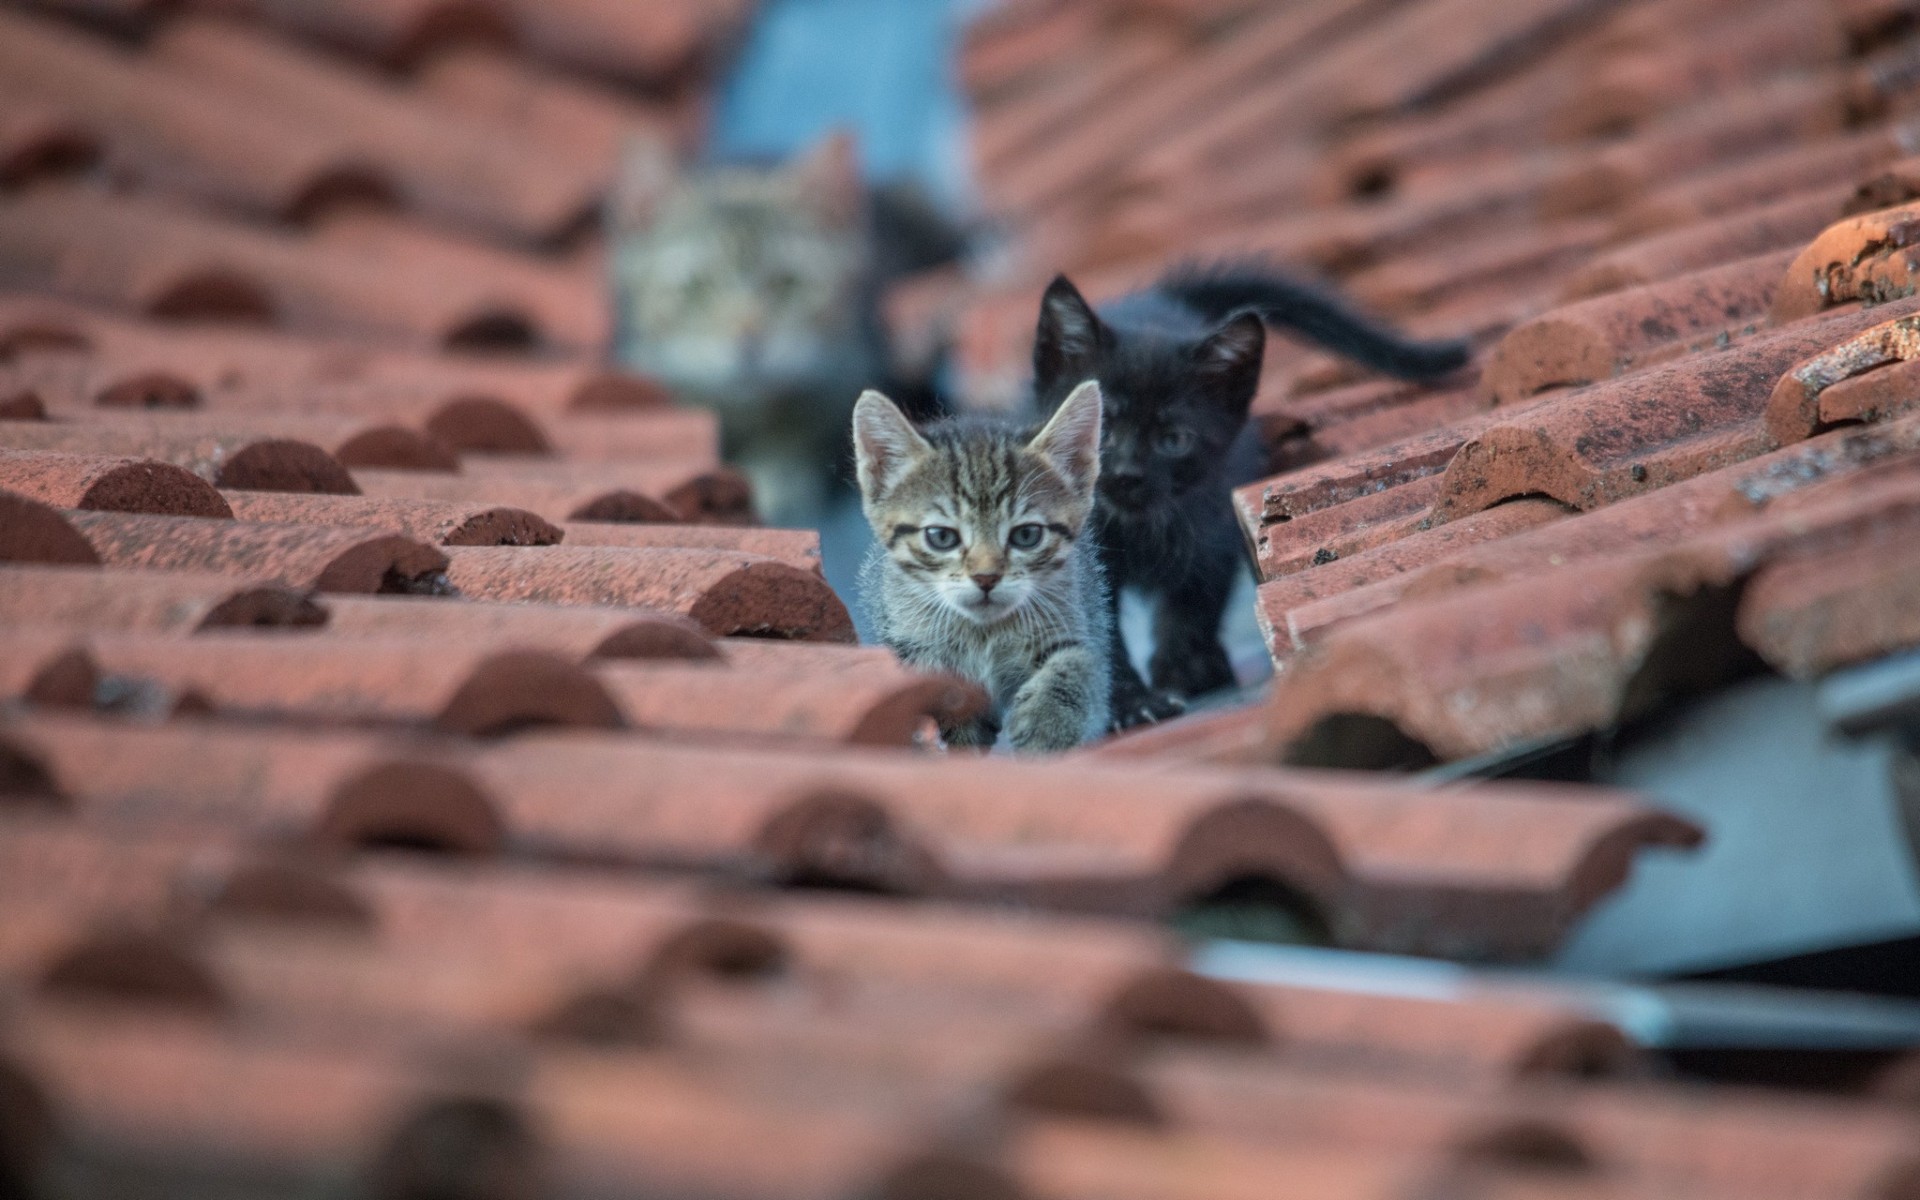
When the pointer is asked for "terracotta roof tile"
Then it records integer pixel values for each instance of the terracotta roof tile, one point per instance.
(588, 121)
(148, 601)
(1616, 439)
(612, 38)
(684, 434)
(46, 672)
(397, 32)
(795, 547)
(1783, 171)
(108, 484)
(177, 134)
(437, 683)
(1576, 648)
(577, 632)
(1524, 536)
(1724, 238)
(262, 369)
(1861, 378)
(726, 592)
(1637, 327)
(422, 520)
(669, 491)
(32, 531)
(1856, 259)
(440, 161)
(326, 558)
(162, 260)
(40, 139)
(351, 442)
(235, 460)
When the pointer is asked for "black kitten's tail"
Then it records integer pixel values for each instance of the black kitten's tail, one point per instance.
(1218, 292)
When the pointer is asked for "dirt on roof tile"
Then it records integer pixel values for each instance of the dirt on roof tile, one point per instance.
(325, 558)
(1862, 258)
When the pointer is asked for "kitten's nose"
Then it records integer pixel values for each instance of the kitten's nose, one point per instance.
(985, 583)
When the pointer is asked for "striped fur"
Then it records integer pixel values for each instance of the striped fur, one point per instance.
(983, 567)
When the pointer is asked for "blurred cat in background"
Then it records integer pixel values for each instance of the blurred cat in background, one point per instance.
(753, 290)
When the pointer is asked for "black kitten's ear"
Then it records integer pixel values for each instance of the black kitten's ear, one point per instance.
(1066, 346)
(1232, 353)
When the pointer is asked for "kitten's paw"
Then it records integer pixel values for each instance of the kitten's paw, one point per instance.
(1045, 729)
(1137, 704)
(1192, 671)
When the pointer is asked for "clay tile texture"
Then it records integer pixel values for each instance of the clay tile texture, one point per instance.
(424, 775)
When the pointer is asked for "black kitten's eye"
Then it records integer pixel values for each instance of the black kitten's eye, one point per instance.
(939, 537)
(1026, 537)
(1174, 442)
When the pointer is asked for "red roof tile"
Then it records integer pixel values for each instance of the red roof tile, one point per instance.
(795, 547)
(107, 484)
(423, 520)
(147, 601)
(669, 491)
(329, 559)
(579, 633)
(34, 532)
(728, 593)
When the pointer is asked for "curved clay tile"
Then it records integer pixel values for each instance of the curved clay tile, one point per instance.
(302, 556)
(266, 782)
(165, 260)
(554, 500)
(179, 135)
(397, 32)
(38, 139)
(995, 827)
(876, 706)
(422, 520)
(1600, 444)
(47, 668)
(1867, 377)
(1635, 328)
(1526, 536)
(440, 162)
(728, 594)
(579, 633)
(108, 484)
(1782, 171)
(796, 547)
(150, 969)
(33, 532)
(318, 678)
(149, 601)
(639, 45)
(351, 442)
(582, 119)
(695, 487)
(1079, 1160)
(670, 434)
(225, 460)
(1861, 258)
(1773, 225)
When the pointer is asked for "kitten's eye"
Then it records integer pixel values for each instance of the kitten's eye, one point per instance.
(1174, 442)
(939, 537)
(1026, 537)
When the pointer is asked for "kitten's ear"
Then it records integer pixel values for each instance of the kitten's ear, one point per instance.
(1231, 358)
(648, 175)
(1234, 350)
(1067, 343)
(885, 443)
(1070, 441)
(828, 178)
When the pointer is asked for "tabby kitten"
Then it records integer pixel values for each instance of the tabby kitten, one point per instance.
(754, 289)
(749, 289)
(1179, 364)
(982, 568)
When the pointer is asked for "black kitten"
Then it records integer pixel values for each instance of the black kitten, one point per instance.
(1179, 364)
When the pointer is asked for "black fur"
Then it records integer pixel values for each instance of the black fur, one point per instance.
(1179, 363)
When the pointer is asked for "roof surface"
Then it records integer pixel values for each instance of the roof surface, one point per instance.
(419, 777)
